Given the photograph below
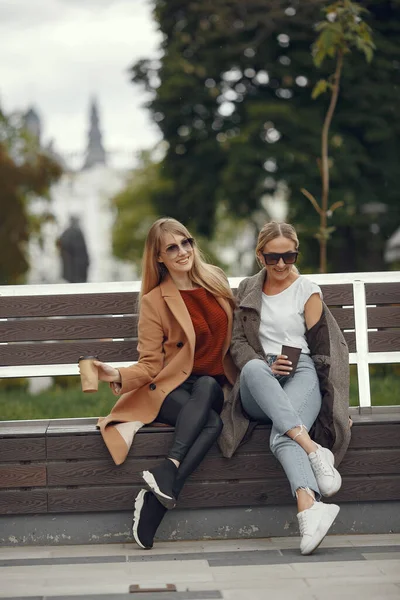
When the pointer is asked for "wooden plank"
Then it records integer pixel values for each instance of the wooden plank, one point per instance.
(384, 341)
(21, 330)
(42, 353)
(344, 317)
(371, 462)
(220, 494)
(338, 294)
(69, 305)
(92, 446)
(383, 316)
(23, 502)
(350, 338)
(382, 293)
(375, 436)
(22, 476)
(26, 448)
(23, 430)
(194, 495)
(369, 489)
(213, 468)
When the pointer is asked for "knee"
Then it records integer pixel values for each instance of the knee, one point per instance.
(251, 369)
(210, 389)
(215, 423)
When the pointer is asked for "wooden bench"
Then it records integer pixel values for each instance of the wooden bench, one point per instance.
(56, 468)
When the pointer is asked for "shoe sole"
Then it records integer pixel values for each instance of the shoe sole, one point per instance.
(323, 528)
(152, 486)
(139, 501)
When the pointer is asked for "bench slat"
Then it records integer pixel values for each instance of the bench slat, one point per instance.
(22, 476)
(18, 449)
(384, 341)
(23, 502)
(340, 294)
(68, 329)
(382, 293)
(68, 305)
(42, 353)
(213, 468)
(383, 316)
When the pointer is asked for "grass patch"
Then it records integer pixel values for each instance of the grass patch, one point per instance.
(65, 398)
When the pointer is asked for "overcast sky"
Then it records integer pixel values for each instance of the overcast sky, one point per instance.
(56, 54)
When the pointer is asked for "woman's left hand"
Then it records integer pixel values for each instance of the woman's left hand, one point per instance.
(282, 366)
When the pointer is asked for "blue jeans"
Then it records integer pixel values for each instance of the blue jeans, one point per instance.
(287, 402)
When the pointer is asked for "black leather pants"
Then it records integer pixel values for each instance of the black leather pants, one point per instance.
(193, 409)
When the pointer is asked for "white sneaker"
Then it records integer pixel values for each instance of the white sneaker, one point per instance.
(314, 524)
(328, 478)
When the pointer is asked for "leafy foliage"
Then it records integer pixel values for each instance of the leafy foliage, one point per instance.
(25, 171)
(232, 97)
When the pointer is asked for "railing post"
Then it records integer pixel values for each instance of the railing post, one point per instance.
(362, 349)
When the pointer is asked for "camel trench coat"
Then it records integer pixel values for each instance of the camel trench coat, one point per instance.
(166, 353)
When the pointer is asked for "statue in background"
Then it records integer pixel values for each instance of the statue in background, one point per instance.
(74, 255)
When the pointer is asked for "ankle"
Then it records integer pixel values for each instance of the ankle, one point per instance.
(174, 461)
(305, 499)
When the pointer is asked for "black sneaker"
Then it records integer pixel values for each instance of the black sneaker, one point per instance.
(148, 514)
(160, 481)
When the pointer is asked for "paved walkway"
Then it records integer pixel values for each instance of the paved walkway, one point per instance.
(344, 567)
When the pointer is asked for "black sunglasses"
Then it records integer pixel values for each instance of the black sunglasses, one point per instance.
(272, 258)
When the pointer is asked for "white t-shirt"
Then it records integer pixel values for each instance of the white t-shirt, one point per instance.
(282, 317)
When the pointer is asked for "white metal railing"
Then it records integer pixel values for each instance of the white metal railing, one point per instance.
(362, 357)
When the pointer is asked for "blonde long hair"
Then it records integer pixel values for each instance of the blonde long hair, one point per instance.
(210, 277)
(273, 230)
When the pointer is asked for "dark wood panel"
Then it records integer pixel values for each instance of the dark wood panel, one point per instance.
(69, 305)
(42, 353)
(23, 502)
(350, 338)
(68, 329)
(344, 317)
(22, 476)
(88, 447)
(24, 429)
(369, 489)
(371, 462)
(213, 468)
(220, 494)
(384, 341)
(338, 295)
(194, 495)
(382, 293)
(375, 436)
(16, 449)
(383, 316)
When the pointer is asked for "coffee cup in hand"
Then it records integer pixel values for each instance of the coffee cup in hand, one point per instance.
(89, 374)
(293, 355)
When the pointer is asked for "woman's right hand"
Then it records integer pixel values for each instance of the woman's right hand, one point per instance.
(282, 366)
(107, 372)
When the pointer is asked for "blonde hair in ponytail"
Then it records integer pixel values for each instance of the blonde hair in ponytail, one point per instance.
(273, 230)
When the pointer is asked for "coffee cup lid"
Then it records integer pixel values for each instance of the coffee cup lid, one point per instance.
(87, 357)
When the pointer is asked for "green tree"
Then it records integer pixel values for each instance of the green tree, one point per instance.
(25, 172)
(340, 32)
(231, 95)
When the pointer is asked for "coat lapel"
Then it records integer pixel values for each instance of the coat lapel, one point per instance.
(175, 303)
(253, 296)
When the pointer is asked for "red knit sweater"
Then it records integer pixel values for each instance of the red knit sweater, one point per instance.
(210, 324)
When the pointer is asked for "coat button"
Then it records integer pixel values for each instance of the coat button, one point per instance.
(179, 345)
(245, 318)
(152, 386)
